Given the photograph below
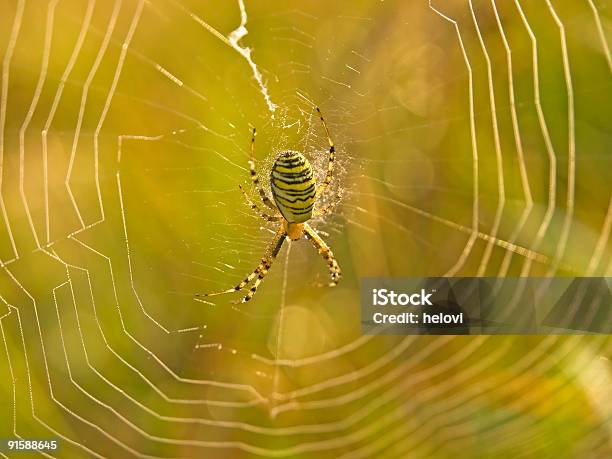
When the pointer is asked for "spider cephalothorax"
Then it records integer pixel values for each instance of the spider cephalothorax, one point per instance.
(295, 193)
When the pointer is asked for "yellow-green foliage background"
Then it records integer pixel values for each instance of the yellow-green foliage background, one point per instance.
(125, 132)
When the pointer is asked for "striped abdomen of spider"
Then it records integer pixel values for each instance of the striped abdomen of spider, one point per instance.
(295, 192)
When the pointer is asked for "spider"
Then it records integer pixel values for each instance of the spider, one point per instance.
(295, 193)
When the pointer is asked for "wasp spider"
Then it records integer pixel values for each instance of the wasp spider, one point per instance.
(295, 193)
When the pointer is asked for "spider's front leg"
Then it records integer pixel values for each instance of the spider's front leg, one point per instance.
(334, 268)
(260, 272)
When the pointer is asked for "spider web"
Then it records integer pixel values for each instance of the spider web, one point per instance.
(471, 140)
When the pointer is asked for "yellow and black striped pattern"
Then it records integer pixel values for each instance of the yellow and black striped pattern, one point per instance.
(293, 186)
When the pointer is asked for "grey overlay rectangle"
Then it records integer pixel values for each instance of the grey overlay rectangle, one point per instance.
(486, 306)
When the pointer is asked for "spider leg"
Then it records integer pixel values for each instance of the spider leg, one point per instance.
(255, 178)
(329, 208)
(247, 280)
(255, 207)
(325, 251)
(332, 158)
(273, 250)
(259, 272)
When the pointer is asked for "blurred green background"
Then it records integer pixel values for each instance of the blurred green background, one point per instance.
(466, 133)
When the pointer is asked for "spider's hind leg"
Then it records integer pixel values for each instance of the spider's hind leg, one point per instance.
(328, 209)
(330, 161)
(255, 178)
(255, 207)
